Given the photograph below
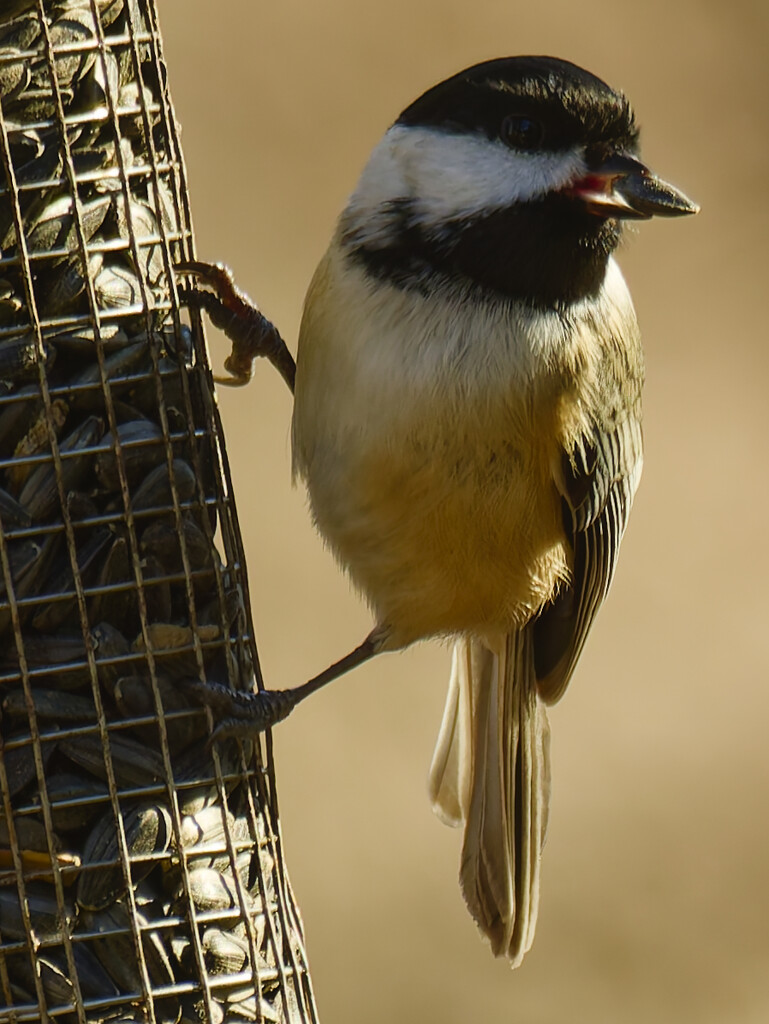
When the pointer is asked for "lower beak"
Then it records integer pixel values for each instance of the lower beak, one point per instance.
(624, 188)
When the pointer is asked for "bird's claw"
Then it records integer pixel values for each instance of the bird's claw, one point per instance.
(240, 715)
(232, 311)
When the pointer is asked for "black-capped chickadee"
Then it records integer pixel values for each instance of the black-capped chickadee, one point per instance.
(467, 421)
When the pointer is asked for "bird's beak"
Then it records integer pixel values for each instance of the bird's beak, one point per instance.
(624, 188)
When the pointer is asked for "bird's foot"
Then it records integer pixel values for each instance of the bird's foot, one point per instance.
(232, 311)
(242, 715)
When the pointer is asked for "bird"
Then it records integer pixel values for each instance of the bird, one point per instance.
(467, 423)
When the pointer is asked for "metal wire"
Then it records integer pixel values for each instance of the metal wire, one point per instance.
(141, 874)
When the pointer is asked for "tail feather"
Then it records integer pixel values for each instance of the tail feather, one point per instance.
(491, 771)
(451, 770)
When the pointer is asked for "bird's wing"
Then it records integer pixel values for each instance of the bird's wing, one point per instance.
(598, 481)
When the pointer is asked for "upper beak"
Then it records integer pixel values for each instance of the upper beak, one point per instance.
(623, 187)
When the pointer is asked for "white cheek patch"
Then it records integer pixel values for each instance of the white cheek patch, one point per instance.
(452, 175)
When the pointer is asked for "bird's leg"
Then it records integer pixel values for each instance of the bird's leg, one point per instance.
(232, 311)
(244, 714)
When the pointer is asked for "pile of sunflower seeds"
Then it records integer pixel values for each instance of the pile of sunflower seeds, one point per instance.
(140, 877)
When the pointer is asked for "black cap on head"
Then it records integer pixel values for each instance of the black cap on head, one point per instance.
(572, 106)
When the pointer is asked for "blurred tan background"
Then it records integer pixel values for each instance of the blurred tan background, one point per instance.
(656, 877)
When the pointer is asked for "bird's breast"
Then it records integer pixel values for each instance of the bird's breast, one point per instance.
(427, 431)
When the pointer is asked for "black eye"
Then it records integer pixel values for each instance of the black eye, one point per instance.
(522, 132)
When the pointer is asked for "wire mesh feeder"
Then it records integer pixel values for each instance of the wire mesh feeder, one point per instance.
(141, 876)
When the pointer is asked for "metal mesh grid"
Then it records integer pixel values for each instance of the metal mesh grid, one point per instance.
(141, 875)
